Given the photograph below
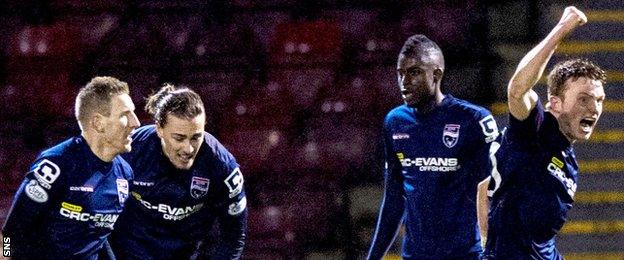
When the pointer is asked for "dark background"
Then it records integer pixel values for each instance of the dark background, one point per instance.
(297, 91)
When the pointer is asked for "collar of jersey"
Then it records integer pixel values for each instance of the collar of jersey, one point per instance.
(559, 139)
(445, 101)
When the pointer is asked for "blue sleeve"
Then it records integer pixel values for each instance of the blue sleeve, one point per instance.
(520, 135)
(33, 200)
(485, 133)
(392, 205)
(232, 217)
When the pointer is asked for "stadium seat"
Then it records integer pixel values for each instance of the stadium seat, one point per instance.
(175, 28)
(352, 22)
(271, 234)
(264, 24)
(59, 41)
(377, 43)
(263, 106)
(309, 42)
(92, 28)
(384, 80)
(303, 83)
(341, 149)
(316, 216)
(17, 96)
(135, 45)
(41, 93)
(351, 101)
(216, 87)
(253, 148)
(230, 45)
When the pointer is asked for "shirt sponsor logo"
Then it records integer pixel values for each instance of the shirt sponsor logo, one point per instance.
(554, 168)
(74, 212)
(143, 183)
(199, 187)
(450, 135)
(36, 192)
(399, 136)
(431, 164)
(169, 212)
(122, 190)
(81, 188)
(237, 207)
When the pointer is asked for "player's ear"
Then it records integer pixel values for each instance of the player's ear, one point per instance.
(554, 103)
(98, 122)
(159, 129)
(437, 75)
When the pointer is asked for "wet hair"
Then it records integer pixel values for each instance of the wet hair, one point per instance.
(95, 97)
(574, 68)
(179, 102)
(417, 43)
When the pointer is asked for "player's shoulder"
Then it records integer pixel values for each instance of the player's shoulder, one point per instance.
(467, 108)
(64, 153)
(124, 166)
(214, 155)
(64, 148)
(402, 112)
(144, 133)
(61, 159)
(145, 144)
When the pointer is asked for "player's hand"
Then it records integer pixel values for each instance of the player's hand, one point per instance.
(572, 17)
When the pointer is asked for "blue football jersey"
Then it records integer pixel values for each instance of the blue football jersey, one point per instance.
(170, 211)
(434, 162)
(68, 203)
(532, 188)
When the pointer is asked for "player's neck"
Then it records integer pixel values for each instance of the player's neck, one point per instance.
(564, 131)
(98, 146)
(432, 104)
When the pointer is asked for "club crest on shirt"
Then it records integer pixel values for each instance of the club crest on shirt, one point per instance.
(450, 135)
(122, 190)
(199, 187)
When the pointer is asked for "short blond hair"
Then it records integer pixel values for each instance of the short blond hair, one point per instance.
(95, 97)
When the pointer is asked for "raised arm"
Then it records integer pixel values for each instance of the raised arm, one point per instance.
(521, 96)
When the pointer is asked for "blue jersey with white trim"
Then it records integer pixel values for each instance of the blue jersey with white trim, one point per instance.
(68, 203)
(170, 211)
(532, 188)
(434, 162)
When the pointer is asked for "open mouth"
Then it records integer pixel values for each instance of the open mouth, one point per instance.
(185, 158)
(587, 124)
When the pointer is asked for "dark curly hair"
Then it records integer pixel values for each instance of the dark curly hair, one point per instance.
(417, 43)
(574, 68)
(180, 102)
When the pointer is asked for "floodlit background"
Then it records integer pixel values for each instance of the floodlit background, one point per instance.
(297, 91)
